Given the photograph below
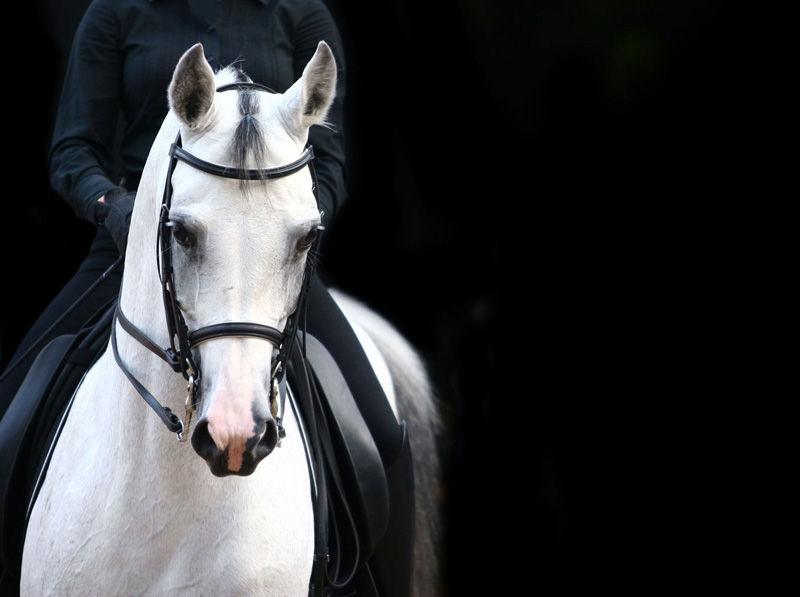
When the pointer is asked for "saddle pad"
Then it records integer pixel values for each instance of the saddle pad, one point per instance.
(367, 493)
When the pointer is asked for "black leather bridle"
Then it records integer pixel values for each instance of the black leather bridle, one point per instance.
(178, 355)
(180, 358)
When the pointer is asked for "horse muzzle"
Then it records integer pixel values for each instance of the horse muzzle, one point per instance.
(228, 453)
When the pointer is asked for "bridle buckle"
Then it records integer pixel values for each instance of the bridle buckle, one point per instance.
(189, 405)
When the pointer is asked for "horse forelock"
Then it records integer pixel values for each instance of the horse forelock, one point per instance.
(248, 138)
(247, 146)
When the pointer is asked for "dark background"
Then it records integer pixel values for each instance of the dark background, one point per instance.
(578, 212)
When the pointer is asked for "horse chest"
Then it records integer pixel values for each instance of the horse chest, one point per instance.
(104, 523)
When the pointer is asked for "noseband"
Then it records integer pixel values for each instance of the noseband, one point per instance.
(179, 354)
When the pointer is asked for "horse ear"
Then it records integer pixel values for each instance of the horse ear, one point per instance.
(309, 99)
(192, 90)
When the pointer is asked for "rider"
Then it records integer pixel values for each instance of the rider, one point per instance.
(121, 63)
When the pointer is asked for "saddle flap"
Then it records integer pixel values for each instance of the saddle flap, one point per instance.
(356, 455)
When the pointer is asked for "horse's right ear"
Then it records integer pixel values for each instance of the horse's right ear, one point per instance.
(192, 90)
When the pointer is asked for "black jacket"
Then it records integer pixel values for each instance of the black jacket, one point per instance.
(122, 60)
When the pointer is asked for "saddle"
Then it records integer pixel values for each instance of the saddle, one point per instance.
(366, 516)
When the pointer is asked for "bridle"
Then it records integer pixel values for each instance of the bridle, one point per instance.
(178, 355)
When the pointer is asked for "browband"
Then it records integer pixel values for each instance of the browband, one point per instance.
(178, 152)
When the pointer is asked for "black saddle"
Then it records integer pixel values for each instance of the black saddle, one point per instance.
(369, 518)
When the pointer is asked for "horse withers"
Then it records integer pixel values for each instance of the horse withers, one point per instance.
(228, 197)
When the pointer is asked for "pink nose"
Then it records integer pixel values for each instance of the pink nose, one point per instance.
(234, 435)
(237, 429)
(229, 453)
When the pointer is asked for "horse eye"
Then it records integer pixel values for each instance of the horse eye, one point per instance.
(181, 235)
(309, 238)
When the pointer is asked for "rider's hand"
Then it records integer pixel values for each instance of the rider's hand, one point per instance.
(113, 212)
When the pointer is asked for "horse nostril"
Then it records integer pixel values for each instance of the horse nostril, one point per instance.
(202, 441)
(267, 443)
(222, 462)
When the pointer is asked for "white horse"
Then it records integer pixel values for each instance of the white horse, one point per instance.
(125, 509)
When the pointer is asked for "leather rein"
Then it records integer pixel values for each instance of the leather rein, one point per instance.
(178, 355)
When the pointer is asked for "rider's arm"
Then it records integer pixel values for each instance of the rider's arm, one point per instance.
(83, 139)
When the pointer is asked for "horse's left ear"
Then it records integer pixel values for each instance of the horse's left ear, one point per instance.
(192, 90)
(311, 95)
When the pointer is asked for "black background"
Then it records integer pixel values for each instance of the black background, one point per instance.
(579, 213)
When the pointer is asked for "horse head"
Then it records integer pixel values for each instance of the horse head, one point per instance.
(239, 244)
